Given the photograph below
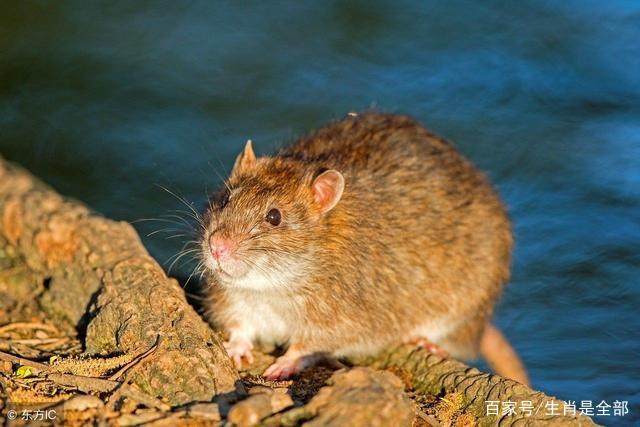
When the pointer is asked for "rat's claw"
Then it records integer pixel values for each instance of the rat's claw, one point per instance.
(283, 368)
(429, 346)
(239, 350)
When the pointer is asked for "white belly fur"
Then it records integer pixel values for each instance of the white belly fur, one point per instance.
(260, 317)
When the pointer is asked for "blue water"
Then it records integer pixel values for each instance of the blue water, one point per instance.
(104, 102)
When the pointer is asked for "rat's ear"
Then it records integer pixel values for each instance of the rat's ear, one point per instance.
(245, 160)
(327, 189)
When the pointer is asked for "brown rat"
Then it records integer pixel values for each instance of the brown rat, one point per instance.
(369, 232)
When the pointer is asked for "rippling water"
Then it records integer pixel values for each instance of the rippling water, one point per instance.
(105, 102)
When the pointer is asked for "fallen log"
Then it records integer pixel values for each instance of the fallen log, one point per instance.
(96, 276)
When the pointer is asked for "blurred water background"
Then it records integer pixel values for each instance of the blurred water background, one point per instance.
(104, 100)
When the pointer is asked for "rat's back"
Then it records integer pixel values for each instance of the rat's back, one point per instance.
(425, 240)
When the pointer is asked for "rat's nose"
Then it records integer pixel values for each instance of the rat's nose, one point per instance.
(221, 248)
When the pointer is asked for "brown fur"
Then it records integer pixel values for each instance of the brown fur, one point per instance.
(418, 236)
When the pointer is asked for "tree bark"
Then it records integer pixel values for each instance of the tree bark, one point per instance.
(99, 278)
(429, 374)
(96, 276)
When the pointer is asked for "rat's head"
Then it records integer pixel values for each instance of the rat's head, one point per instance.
(261, 228)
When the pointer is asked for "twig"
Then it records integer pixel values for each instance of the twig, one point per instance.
(84, 384)
(135, 361)
(28, 325)
(35, 341)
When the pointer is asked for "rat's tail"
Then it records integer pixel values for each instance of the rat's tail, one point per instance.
(500, 356)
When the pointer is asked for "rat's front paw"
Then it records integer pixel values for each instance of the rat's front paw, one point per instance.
(239, 349)
(285, 367)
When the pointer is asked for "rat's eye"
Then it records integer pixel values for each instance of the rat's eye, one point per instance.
(274, 217)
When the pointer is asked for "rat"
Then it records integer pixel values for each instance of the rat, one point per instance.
(367, 233)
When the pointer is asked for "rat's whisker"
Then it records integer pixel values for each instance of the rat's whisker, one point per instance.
(186, 221)
(180, 218)
(183, 200)
(215, 170)
(135, 221)
(185, 246)
(175, 236)
(192, 273)
(163, 230)
(179, 257)
(190, 222)
(180, 254)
